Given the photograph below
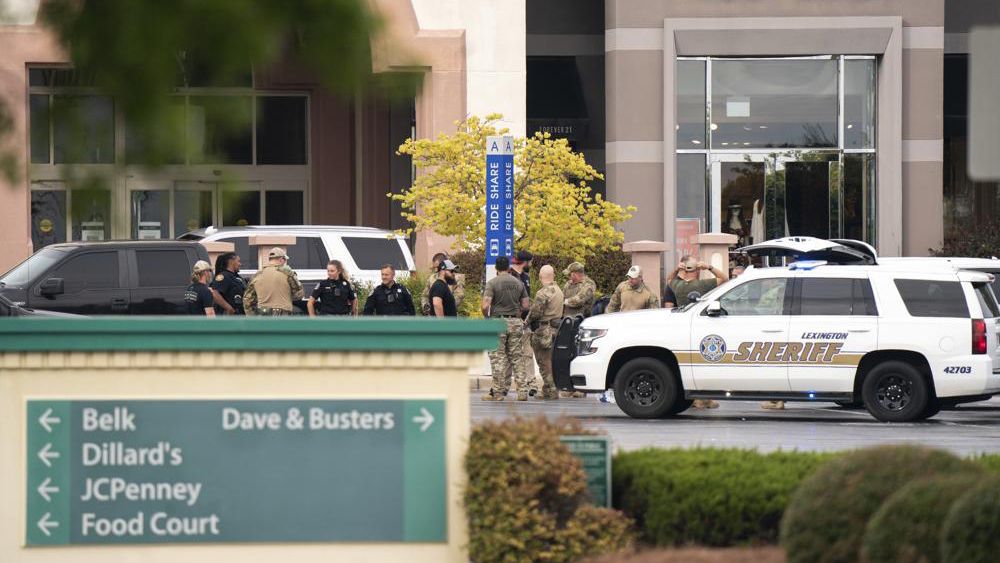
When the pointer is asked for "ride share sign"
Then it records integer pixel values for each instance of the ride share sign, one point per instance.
(499, 199)
(183, 471)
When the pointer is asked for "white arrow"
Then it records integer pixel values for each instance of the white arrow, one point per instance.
(44, 489)
(424, 420)
(44, 524)
(45, 454)
(46, 419)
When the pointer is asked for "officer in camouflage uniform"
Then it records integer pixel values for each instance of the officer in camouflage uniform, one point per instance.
(273, 289)
(506, 298)
(457, 290)
(579, 291)
(544, 317)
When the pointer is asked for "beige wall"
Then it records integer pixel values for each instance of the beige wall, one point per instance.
(270, 375)
(907, 35)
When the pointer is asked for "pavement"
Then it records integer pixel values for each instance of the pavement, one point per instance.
(965, 430)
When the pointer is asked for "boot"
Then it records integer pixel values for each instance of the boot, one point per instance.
(705, 404)
(549, 394)
(773, 405)
(522, 396)
(494, 396)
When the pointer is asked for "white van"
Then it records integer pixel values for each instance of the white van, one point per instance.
(362, 250)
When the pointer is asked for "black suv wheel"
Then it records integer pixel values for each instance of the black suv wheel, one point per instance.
(895, 391)
(646, 388)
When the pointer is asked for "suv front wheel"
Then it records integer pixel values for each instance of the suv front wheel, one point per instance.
(646, 388)
(895, 391)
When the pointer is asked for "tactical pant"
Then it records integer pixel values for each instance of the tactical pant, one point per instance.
(528, 358)
(509, 357)
(541, 343)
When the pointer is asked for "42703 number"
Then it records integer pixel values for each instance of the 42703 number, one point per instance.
(958, 369)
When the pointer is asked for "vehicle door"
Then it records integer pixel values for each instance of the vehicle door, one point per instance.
(159, 278)
(741, 347)
(87, 283)
(834, 323)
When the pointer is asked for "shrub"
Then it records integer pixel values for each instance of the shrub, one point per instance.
(708, 496)
(526, 497)
(826, 516)
(981, 242)
(971, 532)
(907, 528)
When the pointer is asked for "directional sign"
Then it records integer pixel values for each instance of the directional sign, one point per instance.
(594, 453)
(499, 198)
(180, 471)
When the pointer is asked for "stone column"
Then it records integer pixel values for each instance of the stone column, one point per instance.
(265, 243)
(647, 254)
(713, 249)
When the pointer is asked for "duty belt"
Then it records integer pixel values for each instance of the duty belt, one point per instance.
(273, 312)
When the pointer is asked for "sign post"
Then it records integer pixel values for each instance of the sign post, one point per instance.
(594, 453)
(499, 200)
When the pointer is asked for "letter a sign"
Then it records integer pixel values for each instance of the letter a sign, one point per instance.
(499, 200)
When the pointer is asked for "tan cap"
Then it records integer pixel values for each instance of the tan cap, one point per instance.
(201, 266)
(278, 252)
(574, 267)
(634, 272)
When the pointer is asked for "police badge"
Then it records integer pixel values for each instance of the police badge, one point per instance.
(713, 348)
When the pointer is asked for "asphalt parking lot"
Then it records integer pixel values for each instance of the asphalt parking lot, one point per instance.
(965, 430)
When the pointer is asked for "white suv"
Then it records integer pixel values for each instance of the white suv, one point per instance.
(902, 338)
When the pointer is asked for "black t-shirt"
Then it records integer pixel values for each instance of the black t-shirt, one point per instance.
(231, 287)
(441, 289)
(668, 297)
(198, 298)
(526, 280)
(334, 297)
(391, 300)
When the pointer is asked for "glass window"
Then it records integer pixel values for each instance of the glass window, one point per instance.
(84, 129)
(754, 298)
(308, 253)
(150, 214)
(987, 301)
(163, 268)
(159, 144)
(39, 117)
(48, 217)
(371, 253)
(247, 254)
(284, 208)
(833, 296)
(29, 270)
(859, 197)
(925, 298)
(774, 103)
(192, 210)
(859, 103)
(692, 200)
(93, 270)
(691, 110)
(91, 214)
(281, 130)
(240, 208)
(58, 77)
(743, 199)
(218, 130)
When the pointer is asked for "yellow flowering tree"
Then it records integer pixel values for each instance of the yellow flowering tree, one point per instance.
(555, 211)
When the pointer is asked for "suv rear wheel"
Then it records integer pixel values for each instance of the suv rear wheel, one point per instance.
(895, 391)
(647, 388)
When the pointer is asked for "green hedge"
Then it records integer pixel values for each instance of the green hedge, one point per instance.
(718, 497)
(971, 532)
(714, 497)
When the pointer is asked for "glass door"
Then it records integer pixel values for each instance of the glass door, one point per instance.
(809, 184)
(740, 194)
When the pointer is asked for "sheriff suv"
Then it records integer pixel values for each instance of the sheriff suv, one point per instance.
(903, 339)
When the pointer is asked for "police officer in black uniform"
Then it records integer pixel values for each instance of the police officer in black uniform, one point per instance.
(389, 298)
(335, 294)
(228, 285)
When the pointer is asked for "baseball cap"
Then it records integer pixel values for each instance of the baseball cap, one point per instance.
(447, 265)
(522, 256)
(201, 266)
(690, 265)
(574, 267)
(634, 272)
(278, 252)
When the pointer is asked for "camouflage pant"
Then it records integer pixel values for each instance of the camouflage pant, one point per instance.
(528, 358)
(541, 343)
(509, 355)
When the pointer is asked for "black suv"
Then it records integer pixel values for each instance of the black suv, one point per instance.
(105, 278)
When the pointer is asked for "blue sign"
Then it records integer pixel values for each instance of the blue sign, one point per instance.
(499, 198)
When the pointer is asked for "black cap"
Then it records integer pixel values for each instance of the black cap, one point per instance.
(522, 256)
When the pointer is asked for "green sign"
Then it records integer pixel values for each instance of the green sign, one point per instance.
(236, 471)
(594, 453)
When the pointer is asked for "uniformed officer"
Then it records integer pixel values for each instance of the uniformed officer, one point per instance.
(544, 317)
(228, 285)
(273, 289)
(632, 294)
(198, 296)
(389, 298)
(520, 266)
(457, 290)
(578, 291)
(506, 298)
(335, 294)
